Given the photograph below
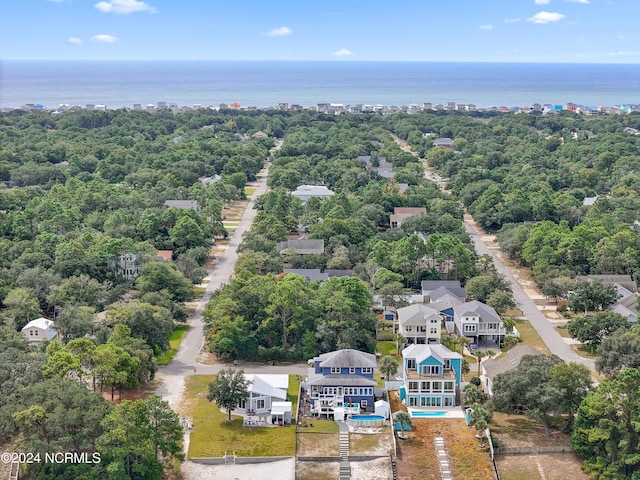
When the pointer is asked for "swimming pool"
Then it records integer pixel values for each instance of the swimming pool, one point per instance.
(366, 420)
(428, 414)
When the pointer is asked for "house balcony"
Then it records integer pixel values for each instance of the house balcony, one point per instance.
(412, 374)
(351, 408)
(491, 331)
(484, 329)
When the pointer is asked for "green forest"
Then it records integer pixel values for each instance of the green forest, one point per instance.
(80, 192)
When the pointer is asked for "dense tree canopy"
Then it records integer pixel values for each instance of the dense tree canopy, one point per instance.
(606, 431)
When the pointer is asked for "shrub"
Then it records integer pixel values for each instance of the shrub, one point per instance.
(562, 306)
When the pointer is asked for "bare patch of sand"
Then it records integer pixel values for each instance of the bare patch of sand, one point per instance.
(282, 470)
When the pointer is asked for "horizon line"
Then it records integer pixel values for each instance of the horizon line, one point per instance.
(524, 62)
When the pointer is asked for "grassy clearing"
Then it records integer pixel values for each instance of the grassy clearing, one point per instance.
(519, 431)
(513, 312)
(179, 331)
(321, 426)
(563, 331)
(292, 394)
(315, 444)
(248, 191)
(213, 434)
(584, 351)
(317, 471)
(417, 458)
(556, 466)
(529, 336)
(371, 444)
(387, 347)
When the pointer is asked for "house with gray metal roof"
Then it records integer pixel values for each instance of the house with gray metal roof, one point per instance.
(493, 367)
(420, 324)
(342, 381)
(302, 246)
(478, 321)
(305, 192)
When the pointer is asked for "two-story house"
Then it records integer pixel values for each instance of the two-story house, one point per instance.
(478, 321)
(443, 295)
(431, 376)
(265, 391)
(400, 214)
(343, 380)
(128, 265)
(39, 330)
(419, 323)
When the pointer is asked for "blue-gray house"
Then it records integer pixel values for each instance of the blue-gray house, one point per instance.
(342, 382)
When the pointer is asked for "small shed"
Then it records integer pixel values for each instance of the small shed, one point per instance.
(382, 408)
(281, 413)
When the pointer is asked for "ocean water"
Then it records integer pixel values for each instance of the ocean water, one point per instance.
(263, 84)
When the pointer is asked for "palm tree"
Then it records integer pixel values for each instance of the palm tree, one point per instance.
(404, 419)
(509, 324)
(480, 418)
(400, 340)
(473, 395)
(388, 366)
(480, 354)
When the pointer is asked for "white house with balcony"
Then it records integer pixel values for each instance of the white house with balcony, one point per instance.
(420, 324)
(266, 391)
(479, 323)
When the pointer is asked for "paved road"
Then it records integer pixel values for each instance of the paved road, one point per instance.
(549, 334)
(556, 344)
(171, 377)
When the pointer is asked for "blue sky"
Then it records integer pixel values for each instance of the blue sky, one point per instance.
(577, 31)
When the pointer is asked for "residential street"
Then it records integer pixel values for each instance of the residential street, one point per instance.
(550, 336)
(556, 344)
(171, 377)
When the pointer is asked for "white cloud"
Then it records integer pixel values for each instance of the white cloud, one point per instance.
(511, 20)
(542, 2)
(124, 6)
(486, 27)
(104, 38)
(74, 41)
(580, 1)
(280, 32)
(343, 52)
(545, 17)
(621, 54)
(55, 1)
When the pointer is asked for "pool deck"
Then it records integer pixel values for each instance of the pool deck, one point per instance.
(453, 412)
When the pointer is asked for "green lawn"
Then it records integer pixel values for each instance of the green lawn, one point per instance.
(292, 393)
(213, 434)
(563, 331)
(248, 191)
(529, 336)
(319, 426)
(387, 347)
(179, 331)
